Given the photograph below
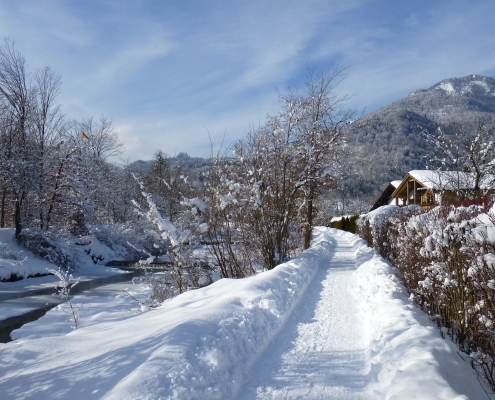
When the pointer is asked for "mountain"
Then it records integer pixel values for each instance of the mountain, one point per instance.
(454, 99)
(389, 142)
(191, 167)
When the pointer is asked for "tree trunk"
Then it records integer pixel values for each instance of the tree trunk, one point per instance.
(309, 217)
(17, 219)
(2, 210)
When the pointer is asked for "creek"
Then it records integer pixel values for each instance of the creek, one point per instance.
(29, 305)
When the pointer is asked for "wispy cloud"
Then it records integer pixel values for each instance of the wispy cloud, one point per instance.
(126, 63)
(165, 70)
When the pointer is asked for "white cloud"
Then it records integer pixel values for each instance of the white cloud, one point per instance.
(192, 130)
(137, 146)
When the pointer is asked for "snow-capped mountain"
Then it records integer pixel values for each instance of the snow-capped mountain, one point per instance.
(472, 86)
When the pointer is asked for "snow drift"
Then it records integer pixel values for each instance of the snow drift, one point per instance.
(198, 345)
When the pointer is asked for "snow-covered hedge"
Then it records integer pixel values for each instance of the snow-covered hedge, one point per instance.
(446, 259)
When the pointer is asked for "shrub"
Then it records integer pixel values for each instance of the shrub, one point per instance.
(345, 223)
(446, 259)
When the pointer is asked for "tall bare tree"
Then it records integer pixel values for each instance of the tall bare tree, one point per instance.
(16, 156)
(320, 137)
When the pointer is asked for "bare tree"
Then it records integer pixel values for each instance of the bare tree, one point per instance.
(47, 126)
(103, 142)
(16, 156)
(320, 136)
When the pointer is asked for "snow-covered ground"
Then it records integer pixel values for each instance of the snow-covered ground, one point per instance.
(22, 296)
(332, 323)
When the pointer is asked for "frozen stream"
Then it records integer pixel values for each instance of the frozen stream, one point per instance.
(21, 307)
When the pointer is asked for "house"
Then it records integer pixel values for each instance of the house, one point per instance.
(429, 188)
(386, 196)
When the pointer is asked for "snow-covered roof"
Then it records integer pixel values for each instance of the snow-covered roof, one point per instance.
(448, 180)
(436, 179)
(395, 184)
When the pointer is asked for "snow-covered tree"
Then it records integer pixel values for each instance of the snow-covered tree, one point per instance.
(266, 194)
(168, 185)
(318, 117)
(469, 151)
(16, 155)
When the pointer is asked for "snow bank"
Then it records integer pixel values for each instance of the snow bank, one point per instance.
(196, 346)
(17, 261)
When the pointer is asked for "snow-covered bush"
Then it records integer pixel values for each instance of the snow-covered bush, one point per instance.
(446, 259)
(7, 253)
(57, 250)
(64, 288)
(232, 241)
(374, 227)
(345, 223)
(130, 241)
(185, 242)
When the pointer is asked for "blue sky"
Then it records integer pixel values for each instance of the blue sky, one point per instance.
(169, 72)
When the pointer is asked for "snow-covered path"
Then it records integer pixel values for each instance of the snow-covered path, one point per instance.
(334, 322)
(321, 353)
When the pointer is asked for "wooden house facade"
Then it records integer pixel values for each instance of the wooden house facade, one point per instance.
(415, 189)
(428, 188)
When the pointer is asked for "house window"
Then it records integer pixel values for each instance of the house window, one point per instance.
(427, 198)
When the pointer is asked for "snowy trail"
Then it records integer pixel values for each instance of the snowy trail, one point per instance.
(334, 322)
(321, 353)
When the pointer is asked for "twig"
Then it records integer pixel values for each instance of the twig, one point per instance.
(135, 299)
(481, 384)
